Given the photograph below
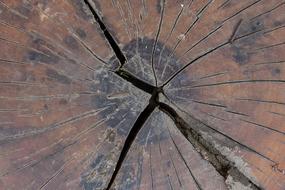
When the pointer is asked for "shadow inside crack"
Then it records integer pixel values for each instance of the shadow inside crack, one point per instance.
(206, 149)
(222, 165)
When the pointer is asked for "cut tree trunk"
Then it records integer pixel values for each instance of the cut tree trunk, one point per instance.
(142, 94)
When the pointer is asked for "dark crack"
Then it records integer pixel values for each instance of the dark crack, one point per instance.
(206, 149)
(119, 54)
(225, 167)
(153, 103)
(135, 81)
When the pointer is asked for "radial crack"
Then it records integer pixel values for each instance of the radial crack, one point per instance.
(153, 102)
(119, 54)
(135, 81)
(222, 165)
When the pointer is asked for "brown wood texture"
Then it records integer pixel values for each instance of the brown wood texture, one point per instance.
(70, 98)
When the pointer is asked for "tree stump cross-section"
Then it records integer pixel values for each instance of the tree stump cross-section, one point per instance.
(142, 94)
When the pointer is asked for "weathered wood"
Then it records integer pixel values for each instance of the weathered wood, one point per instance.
(164, 159)
(78, 77)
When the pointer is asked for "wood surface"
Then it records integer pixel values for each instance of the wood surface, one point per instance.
(142, 94)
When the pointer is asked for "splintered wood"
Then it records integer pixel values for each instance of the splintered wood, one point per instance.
(142, 94)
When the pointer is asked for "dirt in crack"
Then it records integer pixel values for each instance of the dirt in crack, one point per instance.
(220, 162)
(207, 151)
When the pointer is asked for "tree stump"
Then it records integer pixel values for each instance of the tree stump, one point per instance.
(142, 94)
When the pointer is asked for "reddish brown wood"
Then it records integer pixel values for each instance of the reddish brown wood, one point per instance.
(65, 114)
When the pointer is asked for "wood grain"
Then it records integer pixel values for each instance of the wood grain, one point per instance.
(198, 87)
